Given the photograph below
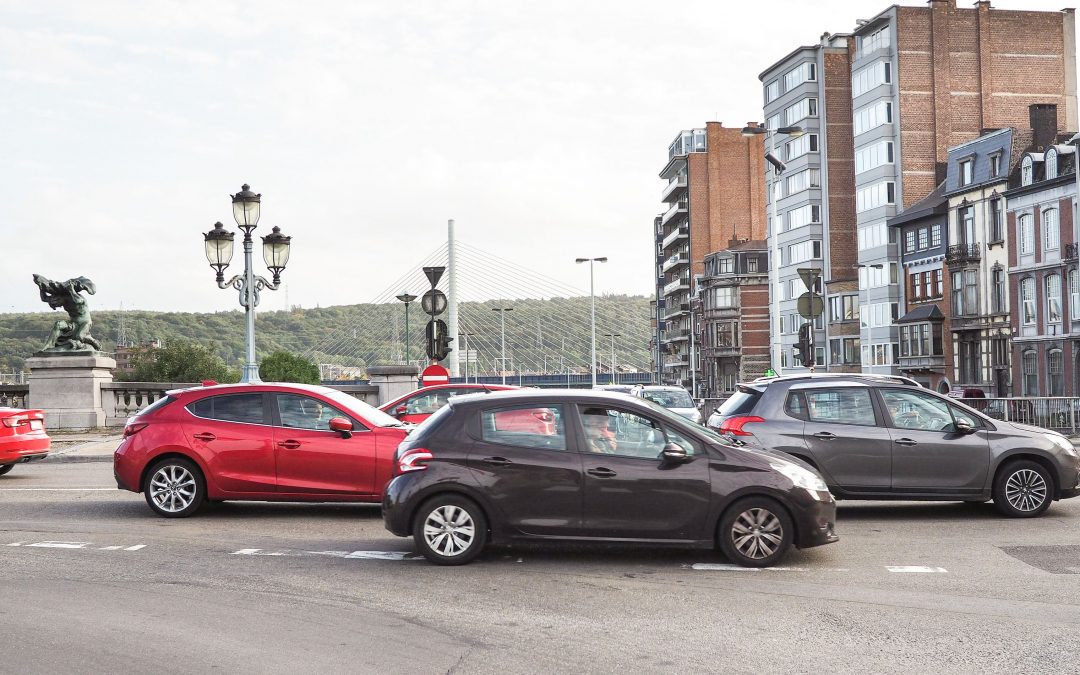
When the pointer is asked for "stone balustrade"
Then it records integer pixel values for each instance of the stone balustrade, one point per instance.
(14, 395)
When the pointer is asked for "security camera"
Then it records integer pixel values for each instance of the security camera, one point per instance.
(777, 164)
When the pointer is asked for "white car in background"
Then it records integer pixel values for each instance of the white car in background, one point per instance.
(675, 399)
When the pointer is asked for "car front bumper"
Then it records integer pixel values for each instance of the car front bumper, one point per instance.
(816, 523)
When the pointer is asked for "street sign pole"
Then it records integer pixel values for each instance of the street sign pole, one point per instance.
(810, 307)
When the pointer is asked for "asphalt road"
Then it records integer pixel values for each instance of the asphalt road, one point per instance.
(93, 582)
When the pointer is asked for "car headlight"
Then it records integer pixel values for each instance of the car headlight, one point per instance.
(807, 480)
(1063, 443)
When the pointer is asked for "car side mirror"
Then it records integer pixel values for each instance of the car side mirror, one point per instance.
(964, 428)
(674, 453)
(400, 410)
(342, 426)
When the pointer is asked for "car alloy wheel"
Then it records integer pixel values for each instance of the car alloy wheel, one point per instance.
(755, 532)
(174, 488)
(450, 530)
(1023, 489)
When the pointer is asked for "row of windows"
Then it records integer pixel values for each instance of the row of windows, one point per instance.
(1054, 371)
(803, 251)
(879, 39)
(878, 234)
(921, 339)
(1051, 231)
(804, 72)
(797, 147)
(928, 285)
(874, 277)
(873, 156)
(844, 351)
(865, 79)
(793, 288)
(803, 180)
(806, 107)
(873, 196)
(878, 314)
(843, 307)
(1052, 290)
(872, 116)
(791, 322)
(804, 215)
(922, 238)
(966, 170)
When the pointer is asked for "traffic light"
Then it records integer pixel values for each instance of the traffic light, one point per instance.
(805, 346)
(438, 342)
(442, 347)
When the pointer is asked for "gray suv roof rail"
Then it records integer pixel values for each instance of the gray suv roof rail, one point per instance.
(873, 377)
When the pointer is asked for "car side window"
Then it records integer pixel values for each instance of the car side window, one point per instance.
(915, 410)
(840, 406)
(796, 405)
(962, 416)
(428, 403)
(305, 412)
(610, 431)
(526, 426)
(246, 408)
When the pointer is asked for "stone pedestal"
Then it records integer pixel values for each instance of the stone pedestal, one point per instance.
(68, 388)
(393, 380)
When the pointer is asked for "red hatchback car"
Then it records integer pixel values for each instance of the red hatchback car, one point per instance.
(417, 406)
(264, 442)
(22, 437)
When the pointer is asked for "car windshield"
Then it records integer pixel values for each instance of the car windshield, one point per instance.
(362, 410)
(739, 403)
(701, 431)
(669, 398)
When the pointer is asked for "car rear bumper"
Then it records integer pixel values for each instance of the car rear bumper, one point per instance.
(396, 506)
(24, 450)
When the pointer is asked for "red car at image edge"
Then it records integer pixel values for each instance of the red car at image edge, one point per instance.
(263, 442)
(417, 406)
(22, 437)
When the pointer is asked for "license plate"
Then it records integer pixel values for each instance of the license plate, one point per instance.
(36, 425)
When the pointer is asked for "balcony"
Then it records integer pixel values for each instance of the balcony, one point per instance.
(678, 335)
(676, 260)
(676, 286)
(678, 208)
(681, 232)
(962, 253)
(1071, 251)
(677, 310)
(673, 190)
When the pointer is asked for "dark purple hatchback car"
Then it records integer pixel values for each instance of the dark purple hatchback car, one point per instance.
(610, 469)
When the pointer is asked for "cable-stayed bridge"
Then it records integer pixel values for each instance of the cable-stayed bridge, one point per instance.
(547, 330)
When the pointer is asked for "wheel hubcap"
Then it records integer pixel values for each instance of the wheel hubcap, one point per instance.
(172, 488)
(757, 533)
(1025, 490)
(449, 530)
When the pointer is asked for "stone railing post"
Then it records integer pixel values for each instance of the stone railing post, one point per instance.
(393, 380)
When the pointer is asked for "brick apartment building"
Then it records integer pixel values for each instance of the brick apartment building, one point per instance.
(713, 197)
(923, 79)
(734, 328)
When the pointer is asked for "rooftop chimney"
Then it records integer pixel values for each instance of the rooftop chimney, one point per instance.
(1043, 124)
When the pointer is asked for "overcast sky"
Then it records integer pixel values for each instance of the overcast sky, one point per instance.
(540, 127)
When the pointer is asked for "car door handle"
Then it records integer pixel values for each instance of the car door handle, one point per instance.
(289, 444)
(825, 435)
(601, 472)
(905, 441)
(496, 461)
(204, 436)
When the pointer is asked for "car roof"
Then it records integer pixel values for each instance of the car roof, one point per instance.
(254, 386)
(661, 387)
(527, 395)
(831, 378)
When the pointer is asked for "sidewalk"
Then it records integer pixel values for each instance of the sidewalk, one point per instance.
(84, 446)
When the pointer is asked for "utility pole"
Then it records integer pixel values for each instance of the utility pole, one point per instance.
(502, 321)
(613, 336)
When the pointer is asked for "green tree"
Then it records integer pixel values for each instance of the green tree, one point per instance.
(282, 366)
(181, 361)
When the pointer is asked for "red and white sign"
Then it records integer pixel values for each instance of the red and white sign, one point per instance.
(434, 374)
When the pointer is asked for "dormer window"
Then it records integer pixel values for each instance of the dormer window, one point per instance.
(1027, 171)
(995, 165)
(967, 172)
(1050, 164)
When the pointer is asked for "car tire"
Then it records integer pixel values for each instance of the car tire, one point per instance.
(174, 488)
(755, 532)
(1023, 489)
(450, 530)
(5, 468)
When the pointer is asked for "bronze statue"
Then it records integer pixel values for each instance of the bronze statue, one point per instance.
(72, 335)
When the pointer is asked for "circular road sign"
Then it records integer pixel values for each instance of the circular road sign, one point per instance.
(434, 374)
(433, 302)
(810, 305)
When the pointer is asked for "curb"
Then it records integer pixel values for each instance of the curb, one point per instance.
(77, 459)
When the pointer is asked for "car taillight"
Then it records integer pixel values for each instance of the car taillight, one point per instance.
(133, 428)
(16, 420)
(414, 459)
(734, 425)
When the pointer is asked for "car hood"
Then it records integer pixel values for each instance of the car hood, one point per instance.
(688, 413)
(1029, 429)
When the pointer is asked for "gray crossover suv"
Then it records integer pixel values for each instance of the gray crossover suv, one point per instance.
(878, 437)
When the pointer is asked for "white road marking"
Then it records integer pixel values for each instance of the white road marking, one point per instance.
(136, 547)
(18, 543)
(110, 548)
(259, 551)
(346, 555)
(60, 544)
(75, 545)
(916, 569)
(382, 555)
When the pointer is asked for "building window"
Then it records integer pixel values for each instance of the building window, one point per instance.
(874, 196)
(804, 72)
(773, 123)
(772, 90)
(803, 251)
(957, 294)
(1051, 231)
(971, 292)
(1028, 364)
(879, 39)
(725, 266)
(967, 225)
(1027, 171)
(843, 308)
(998, 290)
(1056, 373)
(1050, 164)
(1074, 295)
(935, 236)
(967, 172)
(1053, 298)
(969, 361)
(875, 235)
(798, 147)
(915, 284)
(909, 241)
(752, 264)
(995, 165)
(871, 116)
(727, 334)
(924, 238)
(804, 215)
(1027, 297)
(865, 79)
(807, 107)
(804, 180)
(997, 232)
(1025, 232)
(873, 156)
(939, 283)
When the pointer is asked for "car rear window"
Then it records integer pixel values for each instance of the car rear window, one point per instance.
(245, 408)
(740, 403)
(530, 426)
(157, 405)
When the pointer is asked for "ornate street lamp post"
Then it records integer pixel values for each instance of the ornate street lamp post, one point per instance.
(406, 298)
(219, 252)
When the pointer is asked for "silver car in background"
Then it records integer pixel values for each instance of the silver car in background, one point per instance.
(879, 437)
(675, 399)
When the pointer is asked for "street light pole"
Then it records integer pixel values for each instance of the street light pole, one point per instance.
(502, 321)
(406, 298)
(218, 243)
(612, 336)
(774, 268)
(592, 302)
(465, 347)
